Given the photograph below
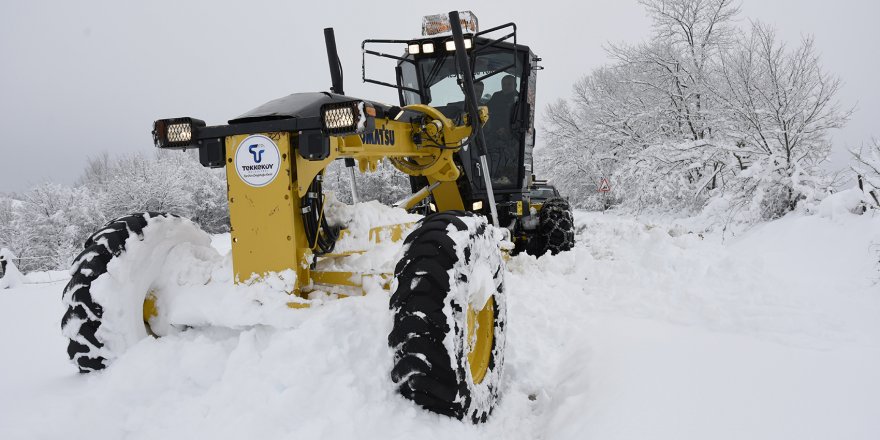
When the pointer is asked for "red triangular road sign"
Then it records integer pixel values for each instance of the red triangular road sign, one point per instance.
(604, 186)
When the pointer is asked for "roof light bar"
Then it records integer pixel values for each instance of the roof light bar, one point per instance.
(468, 43)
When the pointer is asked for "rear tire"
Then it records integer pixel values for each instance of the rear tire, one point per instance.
(555, 231)
(102, 323)
(443, 361)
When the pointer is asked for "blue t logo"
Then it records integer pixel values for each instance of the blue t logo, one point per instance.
(258, 154)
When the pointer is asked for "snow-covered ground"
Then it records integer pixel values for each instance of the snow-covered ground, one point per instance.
(643, 331)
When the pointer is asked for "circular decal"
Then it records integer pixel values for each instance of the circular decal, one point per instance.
(257, 160)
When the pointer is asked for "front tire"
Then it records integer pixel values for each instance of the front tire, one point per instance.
(108, 298)
(449, 316)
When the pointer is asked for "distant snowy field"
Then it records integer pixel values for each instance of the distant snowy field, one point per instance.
(643, 331)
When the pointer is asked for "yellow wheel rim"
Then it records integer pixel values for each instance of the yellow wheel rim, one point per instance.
(150, 311)
(480, 334)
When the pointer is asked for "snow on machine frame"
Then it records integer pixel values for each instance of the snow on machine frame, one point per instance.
(448, 301)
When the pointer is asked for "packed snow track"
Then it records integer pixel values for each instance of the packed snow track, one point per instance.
(643, 331)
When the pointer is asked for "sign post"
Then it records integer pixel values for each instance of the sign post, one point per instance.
(604, 188)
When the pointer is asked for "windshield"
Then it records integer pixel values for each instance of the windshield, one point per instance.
(441, 79)
(499, 92)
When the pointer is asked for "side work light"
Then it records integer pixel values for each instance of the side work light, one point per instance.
(176, 133)
(345, 118)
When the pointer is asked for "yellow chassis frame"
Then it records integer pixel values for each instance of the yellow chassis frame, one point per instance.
(267, 229)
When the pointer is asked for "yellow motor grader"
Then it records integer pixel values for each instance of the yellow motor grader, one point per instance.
(463, 131)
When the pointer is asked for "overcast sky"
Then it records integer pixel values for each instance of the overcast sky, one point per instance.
(81, 77)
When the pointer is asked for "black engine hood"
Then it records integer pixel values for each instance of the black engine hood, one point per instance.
(297, 105)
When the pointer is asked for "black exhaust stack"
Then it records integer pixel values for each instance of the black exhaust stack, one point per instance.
(333, 59)
(336, 77)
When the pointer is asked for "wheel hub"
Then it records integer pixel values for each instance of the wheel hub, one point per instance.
(150, 311)
(480, 335)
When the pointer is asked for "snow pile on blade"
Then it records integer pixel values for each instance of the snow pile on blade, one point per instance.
(193, 284)
(368, 255)
(642, 331)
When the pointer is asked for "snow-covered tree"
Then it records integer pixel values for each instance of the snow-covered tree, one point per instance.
(10, 238)
(780, 106)
(867, 166)
(47, 228)
(671, 73)
(700, 111)
(138, 183)
(97, 171)
(386, 184)
(51, 223)
(166, 182)
(208, 205)
(648, 122)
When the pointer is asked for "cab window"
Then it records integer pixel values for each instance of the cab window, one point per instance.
(499, 92)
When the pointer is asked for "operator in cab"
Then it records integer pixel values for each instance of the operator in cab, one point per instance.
(499, 136)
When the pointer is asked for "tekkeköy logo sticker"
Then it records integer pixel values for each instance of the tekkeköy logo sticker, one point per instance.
(257, 160)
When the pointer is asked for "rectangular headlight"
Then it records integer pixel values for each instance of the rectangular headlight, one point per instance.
(176, 132)
(414, 49)
(345, 118)
(478, 205)
(468, 43)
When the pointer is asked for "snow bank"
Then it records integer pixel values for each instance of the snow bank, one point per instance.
(658, 271)
(643, 331)
(12, 277)
(843, 203)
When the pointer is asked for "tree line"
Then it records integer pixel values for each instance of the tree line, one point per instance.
(46, 226)
(706, 114)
